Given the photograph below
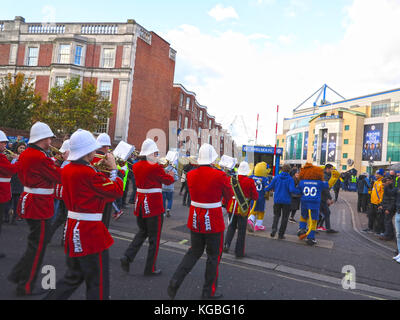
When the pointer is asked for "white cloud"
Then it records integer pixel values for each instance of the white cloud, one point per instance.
(234, 75)
(286, 39)
(220, 13)
(259, 36)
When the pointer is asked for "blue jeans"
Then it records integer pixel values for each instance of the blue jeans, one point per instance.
(56, 206)
(168, 199)
(397, 222)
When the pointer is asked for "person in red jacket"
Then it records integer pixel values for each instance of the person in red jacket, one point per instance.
(87, 240)
(104, 141)
(38, 174)
(207, 187)
(149, 208)
(7, 170)
(238, 220)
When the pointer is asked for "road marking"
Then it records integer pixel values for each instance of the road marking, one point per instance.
(321, 243)
(283, 269)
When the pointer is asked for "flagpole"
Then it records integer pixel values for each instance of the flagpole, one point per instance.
(258, 119)
(276, 139)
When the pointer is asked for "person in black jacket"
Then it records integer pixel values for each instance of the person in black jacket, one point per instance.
(360, 193)
(336, 189)
(388, 207)
(326, 202)
(295, 205)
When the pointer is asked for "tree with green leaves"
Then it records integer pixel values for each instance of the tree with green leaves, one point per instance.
(18, 101)
(71, 107)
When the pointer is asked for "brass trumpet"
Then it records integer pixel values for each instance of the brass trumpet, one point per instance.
(10, 155)
(102, 167)
(56, 153)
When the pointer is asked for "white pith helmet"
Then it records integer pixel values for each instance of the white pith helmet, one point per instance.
(81, 144)
(40, 131)
(104, 140)
(207, 155)
(244, 169)
(148, 147)
(65, 146)
(3, 137)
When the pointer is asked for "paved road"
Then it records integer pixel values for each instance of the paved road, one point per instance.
(274, 270)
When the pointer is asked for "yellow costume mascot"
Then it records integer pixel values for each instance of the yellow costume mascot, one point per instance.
(261, 179)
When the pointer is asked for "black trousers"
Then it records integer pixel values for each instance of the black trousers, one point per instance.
(376, 219)
(240, 223)
(281, 210)
(336, 194)
(362, 202)
(148, 228)
(389, 228)
(25, 272)
(2, 212)
(325, 215)
(186, 197)
(60, 219)
(2, 209)
(107, 214)
(213, 243)
(93, 270)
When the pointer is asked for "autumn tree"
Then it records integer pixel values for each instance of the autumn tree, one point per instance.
(71, 107)
(18, 101)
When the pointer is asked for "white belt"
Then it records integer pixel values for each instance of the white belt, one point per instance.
(5, 179)
(149, 190)
(40, 191)
(85, 216)
(206, 205)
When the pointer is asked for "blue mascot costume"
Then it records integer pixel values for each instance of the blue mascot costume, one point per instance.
(310, 187)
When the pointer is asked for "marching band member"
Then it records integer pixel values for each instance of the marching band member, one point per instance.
(60, 213)
(104, 141)
(7, 170)
(38, 174)
(207, 186)
(149, 207)
(245, 191)
(87, 240)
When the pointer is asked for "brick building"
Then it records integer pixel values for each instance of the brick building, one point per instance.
(191, 115)
(131, 66)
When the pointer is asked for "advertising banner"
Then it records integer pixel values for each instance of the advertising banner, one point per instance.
(373, 138)
(324, 147)
(305, 148)
(332, 147)
(315, 148)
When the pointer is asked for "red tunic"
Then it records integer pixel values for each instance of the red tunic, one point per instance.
(58, 190)
(150, 176)
(87, 191)
(250, 192)
(207, 186)
(7, 170)
(37, 170)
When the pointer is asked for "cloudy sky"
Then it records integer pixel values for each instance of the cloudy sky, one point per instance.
(244, 57)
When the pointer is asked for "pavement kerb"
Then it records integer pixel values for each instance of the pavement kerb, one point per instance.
(281, 268)
(358, 231)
